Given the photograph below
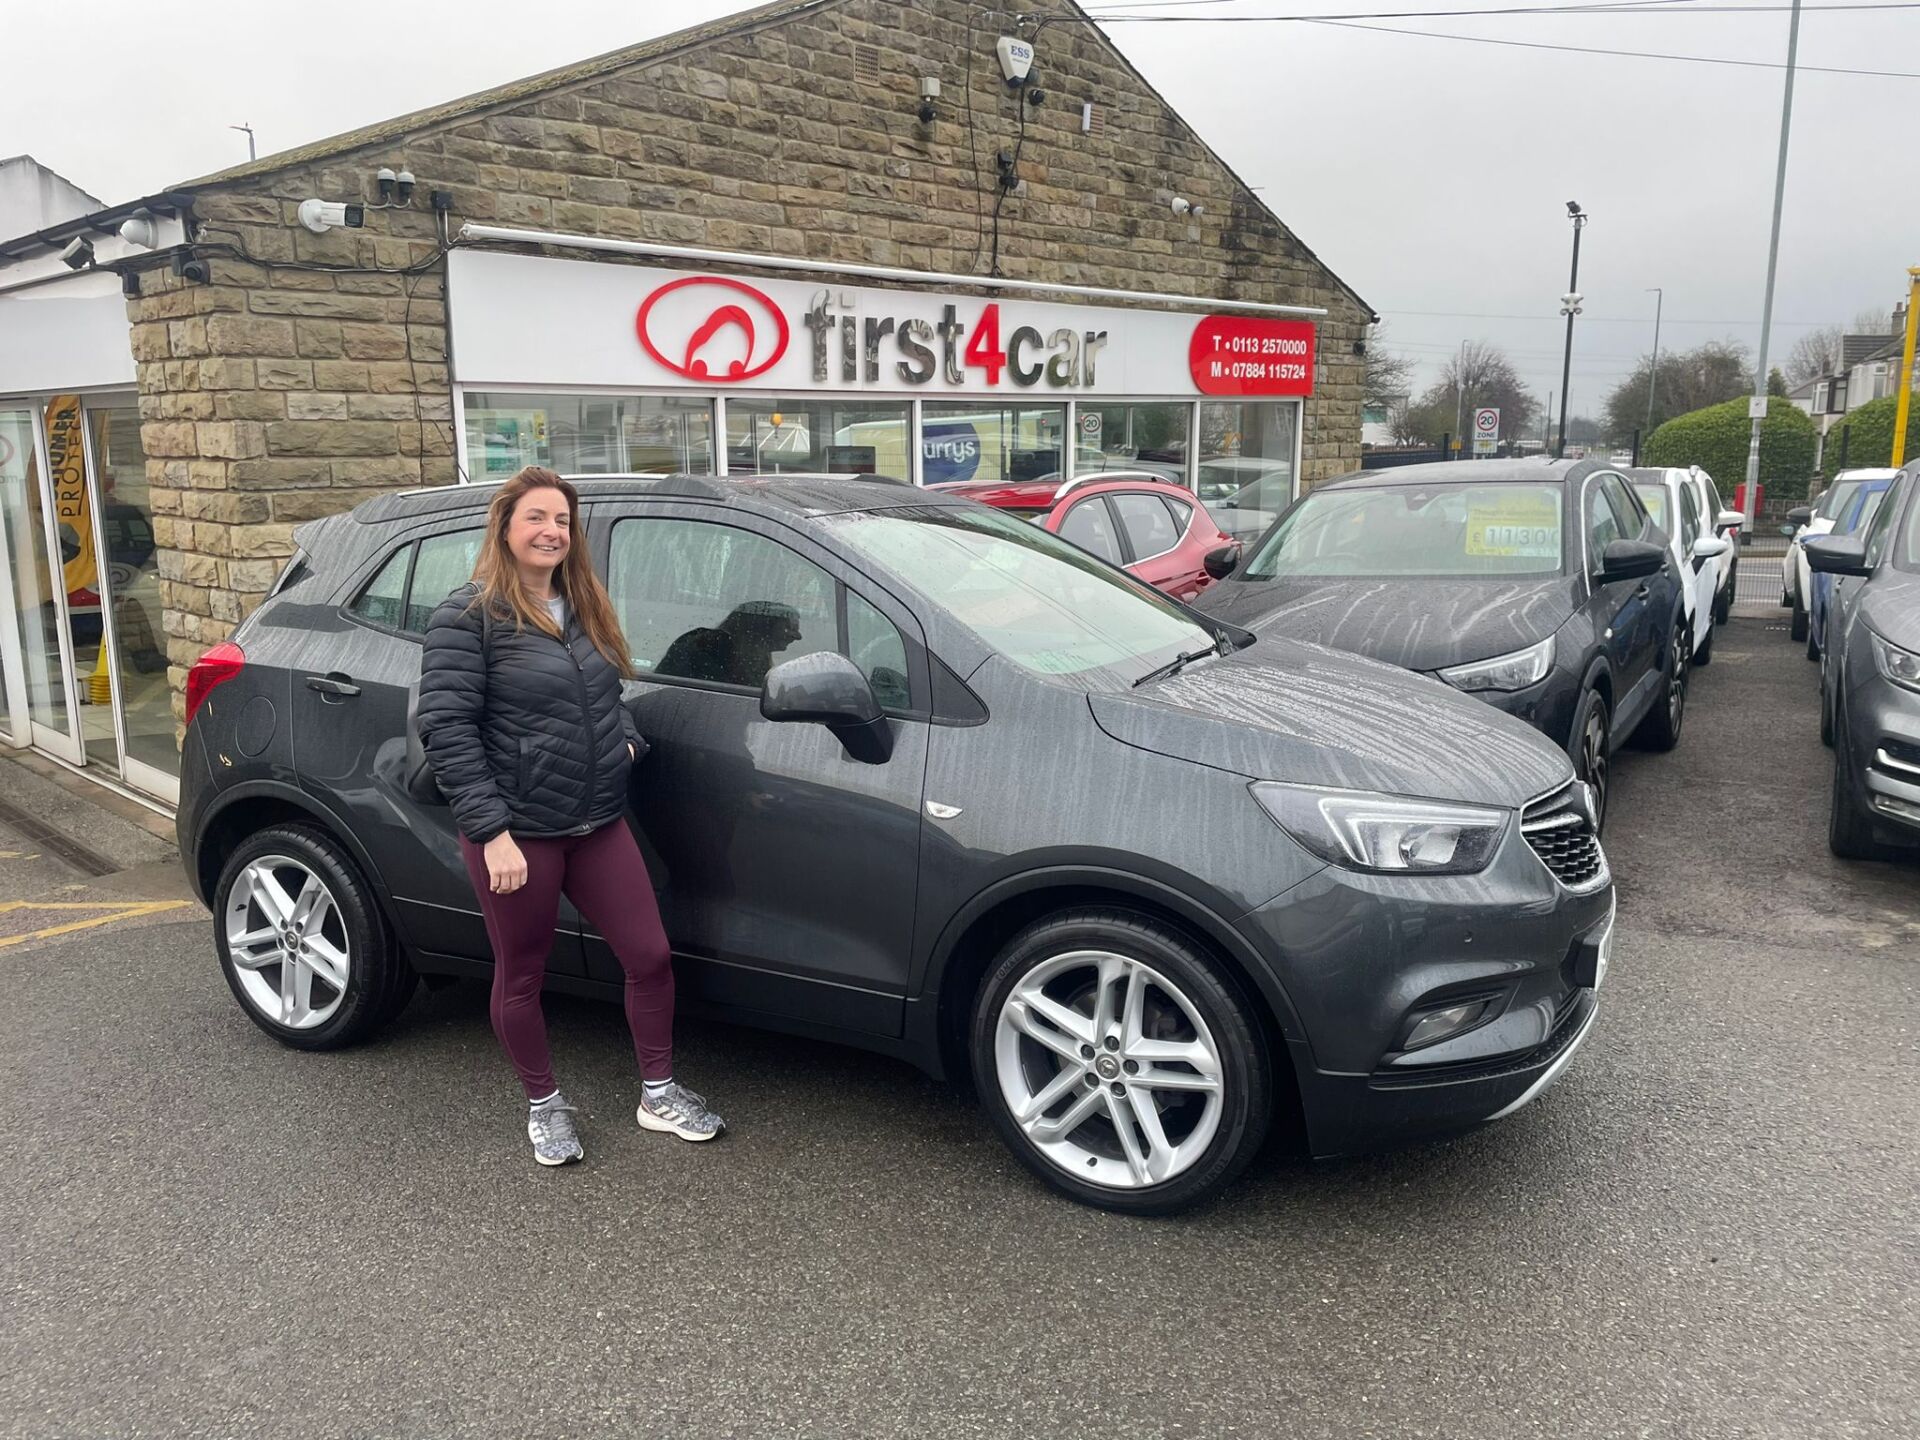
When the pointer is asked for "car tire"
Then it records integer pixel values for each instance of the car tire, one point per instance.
(1849, 831)
(355, 980)
(1661, 729)
(1704, 655)
(1826, 709)
(1798, 629)
(1592, 754)
(1813, 641)
(1021, 1052)
(1723, 600)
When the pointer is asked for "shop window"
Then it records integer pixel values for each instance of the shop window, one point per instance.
(714, 603)
(1150, 438)
(818, 437)
(991, 442)
(1245, 475)
(589, 434)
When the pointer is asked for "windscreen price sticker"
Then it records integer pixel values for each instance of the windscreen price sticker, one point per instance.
(1515, 532)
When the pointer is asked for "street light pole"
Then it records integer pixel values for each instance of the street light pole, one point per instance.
(1653, 371)
(1758, 408)
(1570, 307)
(249, 130)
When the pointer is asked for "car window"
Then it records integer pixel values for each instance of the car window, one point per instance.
(1182, 513)
(702, 601)
(1603, 525)
(1654, 496)
(1861, 514)
(1148, 525)
(1836, 498)
(1089, 525)
(1369, 531)
(444, 564)
(381, 600)
(875, 645)
(1626, 505)
(1689, 517)
(1882, 526)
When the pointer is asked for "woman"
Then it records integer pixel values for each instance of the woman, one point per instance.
(521, 718)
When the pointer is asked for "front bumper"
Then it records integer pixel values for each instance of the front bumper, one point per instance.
(1363, 955)
(1883, 744)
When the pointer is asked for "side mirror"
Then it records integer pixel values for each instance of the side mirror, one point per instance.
(829, 689)
(1799, 515)
(1837, 555)
(1730, 520)
(1223, 562)
(1710, 547)
(1630, 560)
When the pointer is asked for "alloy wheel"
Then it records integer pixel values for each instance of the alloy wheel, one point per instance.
(1108, 1069)
(1593, 761)
(288, 942)
(1682, 662)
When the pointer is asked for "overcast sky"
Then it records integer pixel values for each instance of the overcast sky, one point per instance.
(1431, 174)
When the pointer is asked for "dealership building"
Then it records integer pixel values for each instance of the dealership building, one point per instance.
(821, 235)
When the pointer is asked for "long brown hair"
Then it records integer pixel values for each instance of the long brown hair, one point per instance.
(504, 594)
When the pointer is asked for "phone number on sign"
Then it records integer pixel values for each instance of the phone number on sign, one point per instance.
(1259, 345)
(1260, 369)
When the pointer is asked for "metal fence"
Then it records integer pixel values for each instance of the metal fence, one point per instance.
(1757, 582)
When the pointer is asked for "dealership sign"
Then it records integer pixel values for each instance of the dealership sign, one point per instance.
(526, 320)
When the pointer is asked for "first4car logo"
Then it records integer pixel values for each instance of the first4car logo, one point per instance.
(715, 329)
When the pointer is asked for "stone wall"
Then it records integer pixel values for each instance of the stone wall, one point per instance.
(275, 394)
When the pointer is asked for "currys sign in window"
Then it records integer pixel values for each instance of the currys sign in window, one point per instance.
(949, 453)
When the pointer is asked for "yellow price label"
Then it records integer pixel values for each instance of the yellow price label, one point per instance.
(1514, 530)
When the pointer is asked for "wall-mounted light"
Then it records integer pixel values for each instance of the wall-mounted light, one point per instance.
(1183, 206)
(929, 92)
(79, 253)
(395, 189)
(139, 230)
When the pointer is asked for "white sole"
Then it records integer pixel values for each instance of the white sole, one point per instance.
(540, 1159)
(650, 1121)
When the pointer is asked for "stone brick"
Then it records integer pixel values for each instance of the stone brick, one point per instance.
(339, 375)
(248, 405)
(285, 374)
(249, 335)
(294, 507)
(227, 507)
(373, 342)
(256, 576)
(398, 471)
(380, 407)
(252, 541)
(230, 439)
(169, 438)
(327, 303)
(320, 437)
(151, 342)
(318, 339)
(278, 474)
(316, 405)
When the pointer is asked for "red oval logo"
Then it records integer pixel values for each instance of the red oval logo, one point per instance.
(723, 334)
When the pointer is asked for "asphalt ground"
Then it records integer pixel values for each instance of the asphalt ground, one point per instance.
(1707, 1228)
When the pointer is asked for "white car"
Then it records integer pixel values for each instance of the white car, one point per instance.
(1803, 523)
(1728, 524)
(1674, 502)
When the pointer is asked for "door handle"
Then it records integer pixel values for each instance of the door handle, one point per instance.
(333, 683)
(1642, 592)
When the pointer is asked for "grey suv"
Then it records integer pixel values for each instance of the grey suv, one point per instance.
(929, 780)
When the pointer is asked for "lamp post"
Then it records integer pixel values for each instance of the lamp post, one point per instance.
(1653, 371)
(249, 130)
(1570, 307)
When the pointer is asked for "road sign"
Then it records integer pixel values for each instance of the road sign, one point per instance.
(1486, 430)
(1756, 407)
(1090, 426)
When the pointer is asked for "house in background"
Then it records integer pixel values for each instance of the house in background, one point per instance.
(1869, 370)
(32, 197)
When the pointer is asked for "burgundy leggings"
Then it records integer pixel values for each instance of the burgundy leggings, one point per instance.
(603, 874)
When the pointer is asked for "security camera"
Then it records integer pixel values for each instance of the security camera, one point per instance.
(1036, 97)
(1181, 205)
(1573, 208)
(929, 92)
(403, 187)
(139, 231)
(79, 253)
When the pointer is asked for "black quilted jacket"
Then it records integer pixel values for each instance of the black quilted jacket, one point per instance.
(524, 734)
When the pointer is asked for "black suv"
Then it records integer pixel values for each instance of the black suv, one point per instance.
(1870, 677)
(970, 797)
(1541, 586)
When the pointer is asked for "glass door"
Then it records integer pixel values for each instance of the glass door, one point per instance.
(34, 671)
(122, 667)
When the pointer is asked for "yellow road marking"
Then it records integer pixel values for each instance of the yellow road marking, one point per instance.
(119, 911)
(18, 855)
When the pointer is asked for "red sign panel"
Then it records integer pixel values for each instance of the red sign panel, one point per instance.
(1246, 355)
(745, 329)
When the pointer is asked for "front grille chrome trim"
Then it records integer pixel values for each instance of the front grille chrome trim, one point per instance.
(1556, 829)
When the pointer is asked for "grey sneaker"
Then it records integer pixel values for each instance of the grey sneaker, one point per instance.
(678, 1111)
(550, 1128)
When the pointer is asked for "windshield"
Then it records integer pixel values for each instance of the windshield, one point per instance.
(1654, 497)
(1042, 602)
(1836, 499)
(1870, 503)
(1447, 530)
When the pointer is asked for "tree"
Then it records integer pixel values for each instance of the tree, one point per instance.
(1814, 354)
(1777, 383)
(1389, 376)
(1420, 423)
(1869, 432)
(1688, 380)
(1480, 375)
(1716, 438)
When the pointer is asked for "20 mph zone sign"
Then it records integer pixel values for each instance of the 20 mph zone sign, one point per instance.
(1486, 431)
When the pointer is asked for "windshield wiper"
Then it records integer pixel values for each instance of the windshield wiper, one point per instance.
(1178, 663)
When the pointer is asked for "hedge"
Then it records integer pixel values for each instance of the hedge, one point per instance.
(1716, 438)
(1870, 436)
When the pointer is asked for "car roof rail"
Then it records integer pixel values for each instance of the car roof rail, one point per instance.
(1101, 477)
(695, 487)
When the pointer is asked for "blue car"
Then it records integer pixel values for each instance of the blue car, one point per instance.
(1852, 520)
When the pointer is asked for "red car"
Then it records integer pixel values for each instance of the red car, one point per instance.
(1147, 525)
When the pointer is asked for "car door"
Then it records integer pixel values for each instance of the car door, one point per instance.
(1152, 536)
(787, 868)
(350, 702)
(1843, 602)
(1617, 608)
(1090, 524)
(1696, 571)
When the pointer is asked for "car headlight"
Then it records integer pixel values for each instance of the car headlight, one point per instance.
(1504, 672)
(1361, 830)
(1902, 667)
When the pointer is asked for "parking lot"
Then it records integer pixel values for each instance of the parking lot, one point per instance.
(1706, 1228)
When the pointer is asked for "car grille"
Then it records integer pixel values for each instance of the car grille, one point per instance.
(1557, 827)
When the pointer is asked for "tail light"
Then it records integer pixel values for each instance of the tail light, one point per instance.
(217, 666)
